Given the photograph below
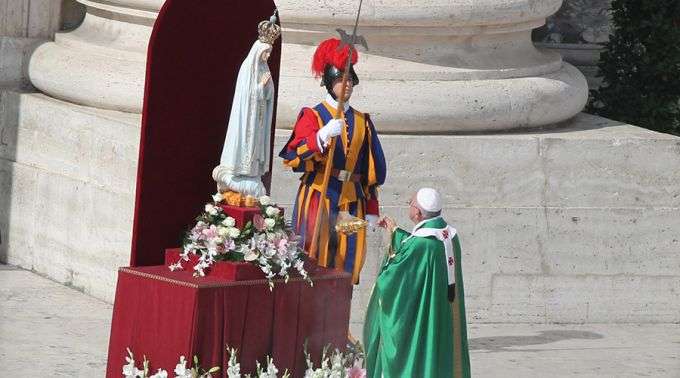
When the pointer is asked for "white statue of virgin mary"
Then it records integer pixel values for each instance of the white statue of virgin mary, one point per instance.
(246, 152)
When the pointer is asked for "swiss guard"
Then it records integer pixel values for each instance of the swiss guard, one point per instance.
(358, 167)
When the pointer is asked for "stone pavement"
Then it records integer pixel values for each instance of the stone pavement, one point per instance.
(49, 330)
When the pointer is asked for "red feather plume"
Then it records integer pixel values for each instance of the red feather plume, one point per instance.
(328, 53)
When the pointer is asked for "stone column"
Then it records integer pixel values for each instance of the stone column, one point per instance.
(102, 62)
(68, 155)
(439, 67)
(578, 31)
(23, 26)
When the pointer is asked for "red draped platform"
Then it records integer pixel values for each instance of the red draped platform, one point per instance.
(195, 51)
(164, 314)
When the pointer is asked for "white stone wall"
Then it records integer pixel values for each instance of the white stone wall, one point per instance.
(574, 225)
(67, 182)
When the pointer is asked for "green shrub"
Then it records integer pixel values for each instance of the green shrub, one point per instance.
(640, 66)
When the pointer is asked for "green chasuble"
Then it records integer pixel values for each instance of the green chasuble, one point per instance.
(411, 328)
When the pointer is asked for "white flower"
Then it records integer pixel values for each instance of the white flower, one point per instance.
(284, 269)
(160, 374)
(272, 211)
(210, 209)
(229, 222)
(188, 248)
(270, 251)
(199, 268)
(270, 223)
(234, 232)
(264, 263)
(176, 266)
(129, 370)
(265, 200)
(250, 255)
(234, 369)
(181, 370)
(272, 371)
(337, 362)
(217, 197)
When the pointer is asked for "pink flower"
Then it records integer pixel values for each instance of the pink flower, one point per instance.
(281, 246)
(195, 234)
(258, 222)
(210, 233)
(229, 245)
(197, 230)
(356, 372)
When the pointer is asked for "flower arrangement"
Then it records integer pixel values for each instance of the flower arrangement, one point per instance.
(266, 241)
(347, 364)
(130, 369)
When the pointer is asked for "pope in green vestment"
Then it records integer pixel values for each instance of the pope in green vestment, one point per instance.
(412, 329)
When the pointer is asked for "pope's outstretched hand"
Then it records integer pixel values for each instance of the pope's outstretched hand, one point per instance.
(387, 223)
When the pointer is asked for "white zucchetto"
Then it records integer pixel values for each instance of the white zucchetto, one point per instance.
(428, 199)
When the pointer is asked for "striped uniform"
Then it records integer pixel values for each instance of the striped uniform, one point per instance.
(357, 150)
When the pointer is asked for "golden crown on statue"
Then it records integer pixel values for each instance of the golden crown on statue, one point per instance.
(268, 30)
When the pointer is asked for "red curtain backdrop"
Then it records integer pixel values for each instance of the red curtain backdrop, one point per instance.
(195, 51)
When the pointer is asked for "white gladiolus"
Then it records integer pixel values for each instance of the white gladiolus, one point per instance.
(234, 368)
(270, 223)
(265, 200)
(129, 370)
(181, 370)
(160, 374)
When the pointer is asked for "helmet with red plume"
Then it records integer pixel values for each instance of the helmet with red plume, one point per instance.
(329, 63)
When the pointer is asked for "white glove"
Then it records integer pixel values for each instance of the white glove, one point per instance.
(372, 220)
(332, 129)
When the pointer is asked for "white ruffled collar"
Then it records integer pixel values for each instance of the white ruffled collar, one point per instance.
(334, 104)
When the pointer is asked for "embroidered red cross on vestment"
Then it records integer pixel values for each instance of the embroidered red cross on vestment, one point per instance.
(451, 261)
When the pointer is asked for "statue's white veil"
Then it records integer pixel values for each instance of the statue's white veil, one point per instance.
(246, 150)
